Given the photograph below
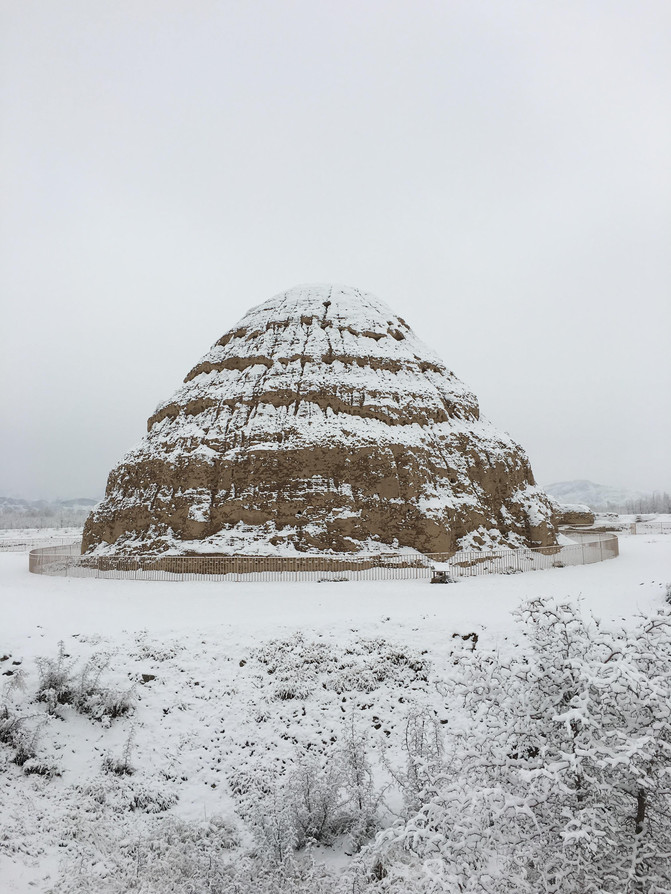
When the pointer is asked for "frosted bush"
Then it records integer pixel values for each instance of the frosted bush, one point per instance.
(154, 650)
(176, 865)
(56, 682)
(165, 856)
(312, 799)
(423, 748)
(315, 792)
(298, 665)
(122, 794)
(17, 734)
(60, 684)
(39, 767)
(121, 766)
(557, 778)
(10, 725)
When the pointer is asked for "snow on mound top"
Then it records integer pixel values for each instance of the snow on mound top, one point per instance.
(341, 309)
(343, 303)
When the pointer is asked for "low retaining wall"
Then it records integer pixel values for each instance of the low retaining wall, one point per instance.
(67, 560)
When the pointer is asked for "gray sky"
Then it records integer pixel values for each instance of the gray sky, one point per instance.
(498, 172)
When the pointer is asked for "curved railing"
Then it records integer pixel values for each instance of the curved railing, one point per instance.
(588, 547)
(25, 544)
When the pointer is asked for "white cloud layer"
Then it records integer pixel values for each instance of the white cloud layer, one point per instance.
(496, 172)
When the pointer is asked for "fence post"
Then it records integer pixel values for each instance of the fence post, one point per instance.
(466, 563)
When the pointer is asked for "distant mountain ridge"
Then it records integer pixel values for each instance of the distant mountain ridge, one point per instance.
(16, 512)
(19, 503)
(602, 496)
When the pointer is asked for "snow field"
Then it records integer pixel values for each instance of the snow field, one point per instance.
(25, 539)
(235, 689)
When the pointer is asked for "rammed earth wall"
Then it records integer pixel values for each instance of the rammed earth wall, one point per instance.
(321, 422)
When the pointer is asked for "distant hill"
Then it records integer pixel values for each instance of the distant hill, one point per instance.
(603, 496)
(18, 513)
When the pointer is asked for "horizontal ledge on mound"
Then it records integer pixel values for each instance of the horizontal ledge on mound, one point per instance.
(329, 357)
(325, 402)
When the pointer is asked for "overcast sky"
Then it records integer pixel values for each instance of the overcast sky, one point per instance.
(498, 172)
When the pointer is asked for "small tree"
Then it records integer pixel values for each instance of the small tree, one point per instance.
(560, 765)
(358, 784)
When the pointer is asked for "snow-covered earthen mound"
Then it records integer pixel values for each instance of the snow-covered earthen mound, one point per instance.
(571, 513)
(320, 422)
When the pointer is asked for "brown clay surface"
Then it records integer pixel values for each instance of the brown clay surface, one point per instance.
(320, 423)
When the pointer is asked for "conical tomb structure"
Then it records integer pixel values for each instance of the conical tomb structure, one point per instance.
(320, 423)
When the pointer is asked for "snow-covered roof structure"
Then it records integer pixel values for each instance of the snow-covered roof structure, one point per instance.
(320, 423)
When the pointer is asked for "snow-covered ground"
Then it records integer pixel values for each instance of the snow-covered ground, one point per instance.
(238, 678)
(24, 539)
(646, 521)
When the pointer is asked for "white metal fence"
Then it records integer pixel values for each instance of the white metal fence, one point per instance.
(25, 544)
(650, 528)
(588, 547)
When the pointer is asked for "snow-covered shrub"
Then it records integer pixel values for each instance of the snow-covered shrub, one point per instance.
(288, 687)
(155, 650)
(14, 732)
(176, 859)
(15, 683)
(100, 702)
(23, 741)
(558, 771)
(164, 855)
(313, 781)
(363, 799)
(314, 790)
(24, 746)
(423, 750)
(287, 810)
(123, 794)
(61, 684)
(312, 799)
(56, 682)
(39, 767)
(150, 798)
(383, 661)
(121, 766)
(298, 665)
(10, 724)
(381, 658)
(262, 804)
(293, 665)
